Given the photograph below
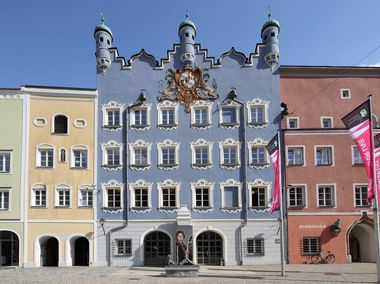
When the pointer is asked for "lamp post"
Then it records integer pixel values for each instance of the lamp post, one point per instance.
(101, 222)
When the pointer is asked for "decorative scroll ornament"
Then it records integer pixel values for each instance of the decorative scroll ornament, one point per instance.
(187, 86)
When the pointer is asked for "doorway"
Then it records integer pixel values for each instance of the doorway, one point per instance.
(156, 249)
(209, 248)
(81, 252)
(9, 249)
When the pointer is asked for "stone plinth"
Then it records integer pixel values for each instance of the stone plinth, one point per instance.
(182, 271)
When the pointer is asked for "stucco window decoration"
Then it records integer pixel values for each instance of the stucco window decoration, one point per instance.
(258, 155)
(62, 196)
(168, 154)
(258, 113)
(201, 154)
(229, 154)
(167, 115)
(201, 115)
(140, 155)
(85, 196)
(112, 116)
(45, 156)
(140, 196)
(259, 193)
(229, 115)
(112, 155)
(39, 196)
(80, 123)
(168, 196)
(79, 157)
(40, 121)
(202, 196)
(231, 195)
(139, 117)
(113, 192)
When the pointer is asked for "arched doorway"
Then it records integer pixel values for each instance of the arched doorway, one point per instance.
(156, 249)
(9, 249)
(81, 252)
(209, 248)
(49, 251)
(361, 241)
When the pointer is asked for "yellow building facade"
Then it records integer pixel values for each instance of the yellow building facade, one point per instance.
(61, 178)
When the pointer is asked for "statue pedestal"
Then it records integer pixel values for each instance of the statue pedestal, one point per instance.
(182, 270)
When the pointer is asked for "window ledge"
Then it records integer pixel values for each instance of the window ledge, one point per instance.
(112, 126)
(296, 207)
(85, 206)
(167, 125)
(62, 207)
(140, 125)
(295, 165)
(324, 165)
(112, 208)
(38, 207)
(358, 165)
(200, 125)
(78, 168)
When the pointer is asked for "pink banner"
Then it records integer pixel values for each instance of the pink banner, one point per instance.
(275, 159)
(362, 136)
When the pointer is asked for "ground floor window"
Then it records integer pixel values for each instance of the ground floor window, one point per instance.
(123, 247)
(255, 246)
(310, 246)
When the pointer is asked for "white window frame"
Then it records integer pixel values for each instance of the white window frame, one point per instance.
(334, 198)
(342, 90)
(125, 244)
(81, 148)
(163, 106)
(41, 147)
(303, 155)
(85, 188)
(40, 187)
(229, 142)
(254, 247)
(53, 124)
(132, 118)
(316, 147)
(112, 184)
(331, 121)
(140, 144)
(259, 183)
(201, 105)
(166, 144)
(201, 143)
(202, 183)
(231, 183)
(57, 189)
(228, 125)
(353, 147)
(304, 196)
(137, 185)
(295, 118)
(10, 152)
(354, 195)
(110, 106)
(258, 142)
(168, 183)
(257, 102)
(4, 190)
(111, 144)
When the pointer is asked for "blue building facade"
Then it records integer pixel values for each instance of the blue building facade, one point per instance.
(181, 148)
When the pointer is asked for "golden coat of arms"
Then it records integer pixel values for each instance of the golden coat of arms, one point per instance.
(187, 86)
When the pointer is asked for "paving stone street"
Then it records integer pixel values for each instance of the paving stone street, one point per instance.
(319, 273)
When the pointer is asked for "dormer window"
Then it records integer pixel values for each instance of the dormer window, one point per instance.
(60, 124)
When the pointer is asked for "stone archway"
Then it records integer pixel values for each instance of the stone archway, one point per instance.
(81, 252)
(209, 248)
(49, 251)
(156, 248)
(361, 241)
(9, 248)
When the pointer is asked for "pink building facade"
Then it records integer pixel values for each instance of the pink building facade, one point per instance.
(326, 183)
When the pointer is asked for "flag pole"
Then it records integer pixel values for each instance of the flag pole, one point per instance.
(281, 207)
(375, 202)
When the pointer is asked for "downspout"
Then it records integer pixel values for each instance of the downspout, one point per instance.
(140, 101)
(232, 96)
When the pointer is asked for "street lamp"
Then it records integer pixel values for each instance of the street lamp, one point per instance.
(101, 222)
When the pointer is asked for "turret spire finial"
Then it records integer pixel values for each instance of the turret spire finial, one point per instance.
(269, 13)
(102, 17)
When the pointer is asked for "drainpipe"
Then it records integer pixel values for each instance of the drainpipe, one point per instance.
(232, 97)
(140, 101)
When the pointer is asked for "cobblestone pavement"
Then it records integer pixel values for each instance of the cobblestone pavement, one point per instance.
(314, 273)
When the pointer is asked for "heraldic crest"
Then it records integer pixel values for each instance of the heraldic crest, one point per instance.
(187, 86)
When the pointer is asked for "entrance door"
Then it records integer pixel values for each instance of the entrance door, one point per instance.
(209, 248)
(361, 241)
(9, 245)
(156, 249)
(49, 252)
(81, 255)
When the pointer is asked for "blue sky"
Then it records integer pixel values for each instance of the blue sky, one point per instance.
(46, 42)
